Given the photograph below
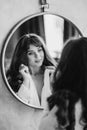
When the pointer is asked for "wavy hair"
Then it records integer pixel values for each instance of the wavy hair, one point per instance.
(65, 102)
(71, 72)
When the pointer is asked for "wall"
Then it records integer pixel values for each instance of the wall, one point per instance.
(13, 114)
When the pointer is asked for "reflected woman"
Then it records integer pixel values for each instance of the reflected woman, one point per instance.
(31, 70)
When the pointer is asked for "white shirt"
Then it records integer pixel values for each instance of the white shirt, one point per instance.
(29, 94)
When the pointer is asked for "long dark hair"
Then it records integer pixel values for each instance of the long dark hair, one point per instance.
(71, 73)
(20, 57)
(65, 102)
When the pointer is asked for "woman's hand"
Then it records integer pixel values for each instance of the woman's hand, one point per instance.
(49, 121)
(24, 71)
(51, 70)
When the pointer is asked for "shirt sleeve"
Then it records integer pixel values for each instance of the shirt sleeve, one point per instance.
(24, 93)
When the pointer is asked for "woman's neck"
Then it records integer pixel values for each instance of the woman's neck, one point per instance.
(36, 71)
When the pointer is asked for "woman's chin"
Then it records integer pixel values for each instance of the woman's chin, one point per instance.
(39, 64)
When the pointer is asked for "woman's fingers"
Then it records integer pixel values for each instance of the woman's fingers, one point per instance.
(23, 68)
(50, 67)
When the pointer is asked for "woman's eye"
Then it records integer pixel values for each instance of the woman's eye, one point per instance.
(30, 53)
(40, 49)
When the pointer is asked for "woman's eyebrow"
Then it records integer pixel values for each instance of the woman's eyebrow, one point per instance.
(30, 50)
(39, 47)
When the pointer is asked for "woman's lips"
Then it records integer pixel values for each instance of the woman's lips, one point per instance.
(37, 61)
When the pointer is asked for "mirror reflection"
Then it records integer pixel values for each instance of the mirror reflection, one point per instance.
(31, 53)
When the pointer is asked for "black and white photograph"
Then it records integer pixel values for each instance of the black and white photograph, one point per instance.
(43, 78)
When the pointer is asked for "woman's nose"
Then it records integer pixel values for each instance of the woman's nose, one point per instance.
(37, 55)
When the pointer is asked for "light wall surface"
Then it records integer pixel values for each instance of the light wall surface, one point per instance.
(14, 115)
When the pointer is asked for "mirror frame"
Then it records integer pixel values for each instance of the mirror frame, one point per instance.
(10, 34)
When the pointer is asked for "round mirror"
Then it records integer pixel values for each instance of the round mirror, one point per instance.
(54, 30)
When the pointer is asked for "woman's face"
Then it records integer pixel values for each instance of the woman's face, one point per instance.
(35, 56)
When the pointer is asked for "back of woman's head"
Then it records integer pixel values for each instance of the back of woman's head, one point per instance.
(71, 73)
(72, 67)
